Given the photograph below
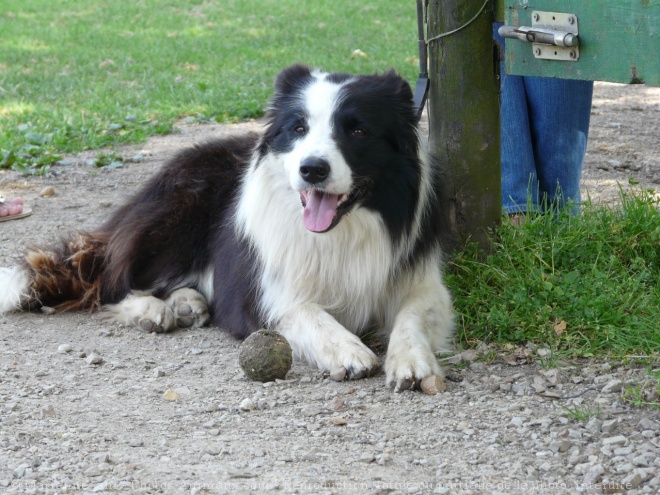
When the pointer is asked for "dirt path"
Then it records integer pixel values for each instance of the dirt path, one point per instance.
(72, 425)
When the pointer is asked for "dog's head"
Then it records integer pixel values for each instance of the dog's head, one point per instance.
(345, 141)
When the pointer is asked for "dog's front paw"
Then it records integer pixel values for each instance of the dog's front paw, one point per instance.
(355, 357)
(406, 368)
(189, 307)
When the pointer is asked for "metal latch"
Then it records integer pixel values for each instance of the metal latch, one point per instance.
(553, 35)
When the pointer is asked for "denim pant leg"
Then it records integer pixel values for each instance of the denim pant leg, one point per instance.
(519, 176)
(519, 181)
(559, 111)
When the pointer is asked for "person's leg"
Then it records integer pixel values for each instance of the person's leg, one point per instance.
(560, 110)
(519, 182)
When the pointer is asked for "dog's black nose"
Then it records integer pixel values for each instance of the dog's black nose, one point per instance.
(314, 170)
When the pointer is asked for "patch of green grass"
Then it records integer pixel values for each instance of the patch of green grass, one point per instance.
(581, 413)
(581, 285)
(88, 73)
(646, 394)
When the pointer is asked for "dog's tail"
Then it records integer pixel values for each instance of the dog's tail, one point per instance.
(64, 277)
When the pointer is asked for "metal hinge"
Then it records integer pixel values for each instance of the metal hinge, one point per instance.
(553, 35)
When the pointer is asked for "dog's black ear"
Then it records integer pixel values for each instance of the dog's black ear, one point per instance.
(292, 78)
(399, 85)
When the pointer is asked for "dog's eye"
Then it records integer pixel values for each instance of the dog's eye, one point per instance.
(300, 129)
(358, 133)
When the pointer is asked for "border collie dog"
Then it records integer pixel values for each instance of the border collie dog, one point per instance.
(324, 227)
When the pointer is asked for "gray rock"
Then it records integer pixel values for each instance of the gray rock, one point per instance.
(310, 411)
(613, 386)
(610, 425)
(617, 440)
(632, 481)
(553, 376)
(94, 359)
(648, 424)
(93, 472)
(594, 425)
(247, 405)
(135, 442)
(593, 475)
(560, 446)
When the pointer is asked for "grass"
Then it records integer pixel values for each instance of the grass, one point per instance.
(646, 394)
(581, 413)
(80, 74)
(586, 285)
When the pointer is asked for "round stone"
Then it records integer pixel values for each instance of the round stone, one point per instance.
(265, 356)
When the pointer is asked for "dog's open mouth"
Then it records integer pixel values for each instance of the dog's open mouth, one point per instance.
(322, 210)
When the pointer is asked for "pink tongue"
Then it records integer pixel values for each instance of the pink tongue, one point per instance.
(320, 210)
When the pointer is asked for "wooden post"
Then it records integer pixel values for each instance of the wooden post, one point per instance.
(464, 123)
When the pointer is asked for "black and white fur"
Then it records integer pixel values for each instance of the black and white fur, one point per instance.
(323, 228)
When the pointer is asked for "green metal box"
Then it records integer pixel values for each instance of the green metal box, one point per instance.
(619, 41)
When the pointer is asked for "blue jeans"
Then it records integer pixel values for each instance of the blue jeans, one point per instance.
(544, 128)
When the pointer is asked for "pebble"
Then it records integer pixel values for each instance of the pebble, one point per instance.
(338, 421)
(338, 375)
(94, 359)
(617, 440)
(594, 474)
(64, 348)
(633, 480)
(610, 425)
(336, 404)
(648, 424)
(553, 376)
(135, 442)
(613, 386)
(431, 385)
(47, 192)
(310, 411)
(594, 425)
(560, 446)
(171, 395)
(247, 405)
(517, 421)
(93, 472)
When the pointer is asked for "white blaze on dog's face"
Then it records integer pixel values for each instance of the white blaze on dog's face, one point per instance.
(305, 142)
(316, 167)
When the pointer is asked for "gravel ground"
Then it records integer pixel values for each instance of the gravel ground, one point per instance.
(88, 406)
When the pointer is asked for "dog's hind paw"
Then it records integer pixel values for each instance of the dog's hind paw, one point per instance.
(145, 312)
(189, 307)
